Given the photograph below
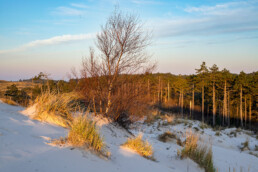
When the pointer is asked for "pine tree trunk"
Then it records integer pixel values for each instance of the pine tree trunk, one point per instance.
(190, 109)
(182, 104)
(100, 106)
(193, 102)
(245, 112)
(250, 112)
(168, 92)
(241, 106)
(149, 89)
(179, 101)
(159, 91)
(228, 109)
(225, 103)
(214, 105)
(203, 103)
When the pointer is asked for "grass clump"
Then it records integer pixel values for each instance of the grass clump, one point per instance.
(9, 101)
(142, 147)
(83, 133)
(56, 108)
(245, 145)
(201, 154)
(167, 136)
(217, 133)
(204, 126)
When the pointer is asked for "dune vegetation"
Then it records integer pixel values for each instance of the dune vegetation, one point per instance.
(198, 152)
(142, 147)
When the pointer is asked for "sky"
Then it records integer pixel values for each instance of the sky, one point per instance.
(53, 36)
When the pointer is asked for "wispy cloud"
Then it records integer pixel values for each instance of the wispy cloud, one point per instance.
(211, 20)
(68, 11)
(79, 5)
(51, 41)
(145, 2)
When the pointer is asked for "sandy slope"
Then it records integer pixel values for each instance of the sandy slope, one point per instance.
(23, 147)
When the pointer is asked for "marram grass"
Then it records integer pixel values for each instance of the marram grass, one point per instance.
(56, 108)
(142, 147)
(83, 132)
(201, 154)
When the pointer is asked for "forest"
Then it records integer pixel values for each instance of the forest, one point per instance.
(216, 97)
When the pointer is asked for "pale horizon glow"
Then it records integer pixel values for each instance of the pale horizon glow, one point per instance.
(53, 36)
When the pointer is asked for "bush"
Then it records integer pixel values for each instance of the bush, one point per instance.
(83, 133)
(201, 154)
(56, 108)
(142, 147)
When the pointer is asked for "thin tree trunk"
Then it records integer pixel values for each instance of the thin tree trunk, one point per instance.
(250, 112)
(228, 109)
(148, 88)
(182, 104)
(179, 101)
(203, 103)
(241, 106)
(225, 103)
(245, 112)
(100, 106)
(237, 118)
(193, 101)
(190, 109)
(168, 92)
(214, 104)
(161, 93)
(94, 106)
(109, 98)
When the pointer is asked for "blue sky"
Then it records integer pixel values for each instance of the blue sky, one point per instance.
(53, 36)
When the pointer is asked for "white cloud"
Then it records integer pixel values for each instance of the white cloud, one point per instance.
(234, 17)
(51, 41)
(144, 2)
(79, 5)
(68, 11)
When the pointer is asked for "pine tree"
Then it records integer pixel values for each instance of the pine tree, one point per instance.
(202, 77)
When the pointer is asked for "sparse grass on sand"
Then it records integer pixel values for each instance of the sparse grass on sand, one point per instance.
(56, 108)
(167, 136)
(245, 145)
(62, 109)
(201, 154)
(8, 101)
(142, 147)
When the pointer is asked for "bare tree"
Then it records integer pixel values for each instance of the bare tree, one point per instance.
(122, 43)
(111, 79)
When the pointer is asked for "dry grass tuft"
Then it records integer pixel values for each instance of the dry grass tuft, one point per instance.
(83, 132)
(56, 108)
(201, 154)
(8, 101)
(142, 147)
(168, 118)
(245, 145)
(167, 136)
